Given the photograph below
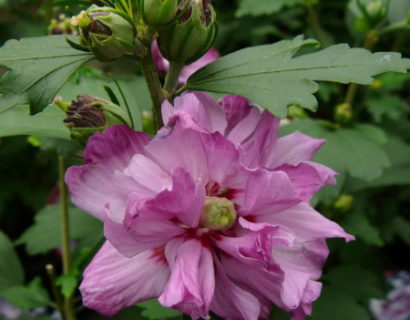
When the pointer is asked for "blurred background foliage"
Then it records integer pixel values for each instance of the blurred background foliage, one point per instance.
(368, 144)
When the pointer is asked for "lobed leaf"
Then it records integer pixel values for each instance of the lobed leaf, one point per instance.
(37, 68)
(11, 271)
(274, 78)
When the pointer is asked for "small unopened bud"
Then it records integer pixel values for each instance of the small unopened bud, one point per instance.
(62, 25)
(376, 9)
(218, 214)
(106, 33)
(88, 114)
(160, 12)
(343, 113)
(343, 203)
(191, 35)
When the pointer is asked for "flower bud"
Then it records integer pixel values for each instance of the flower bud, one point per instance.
(376, 9)
(104, 32)
(218, 214)
(160, 12)
(62, 25)
(191, 35)
(88, 114)
(343, 113)
(343, 203)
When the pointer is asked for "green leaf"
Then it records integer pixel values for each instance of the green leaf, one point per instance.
(372, 133)
(345, 150)
(44, 235)
(263, 7)
(11, 271)
(336, 305)
(38, 68)
(153, 310)
(48, 123)
(272, 77)
(387, 105)
(30, 297)
(359, 225)
(398, 10)
(358, 282)
(402, 229)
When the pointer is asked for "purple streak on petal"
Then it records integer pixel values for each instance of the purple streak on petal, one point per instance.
(181, 149)
(293, 149)
(113, 282)
(268, 192)
(308, 224)
(308, 178)
(191, 286)
(236, 108)
(115, 147)
(259, 145)
(183, 202)
(147, 173)
(230, 301)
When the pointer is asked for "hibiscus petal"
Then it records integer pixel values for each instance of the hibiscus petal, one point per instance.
(210, 56)
(293, 149)
(230, 301)
(268, 192)
(236, 108)
(308, 178)
(113, 282)
(311, 293)
(306, 223)
(191, 285)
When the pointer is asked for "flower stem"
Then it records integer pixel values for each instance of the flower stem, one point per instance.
(54, 289)
(370, 41)
(171, 79)
(65, 235)
(154, 87)
(313, 20)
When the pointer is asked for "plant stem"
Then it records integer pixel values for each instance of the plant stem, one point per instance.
(171, 79)
(313, 20)
(56, 293)
(369, 42)
(154, 87)
(65, 235)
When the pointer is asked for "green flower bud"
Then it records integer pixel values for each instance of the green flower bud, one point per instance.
(376, 9)
(160, 12)
(343, 203)
(343, 113)
(105, 32)
(88, 114)
(191, 35)
(218, 214)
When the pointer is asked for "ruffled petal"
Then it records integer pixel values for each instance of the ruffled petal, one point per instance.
(306, 223)
(236, 108)
(311, 293)
(268, 192)
(230, 301)
(191, 286)
(308, 178)
(210, 56)
(113, 282)
(293, 149)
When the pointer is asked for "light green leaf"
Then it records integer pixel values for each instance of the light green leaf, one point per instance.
(358, 282)
(44, 235)
(11, 271)
(345, 150)
(263, 7)
(336, 305)
(38, 68)
(48, 123)
(398, 10)
(153, 310)
(372, 133)
(30, 297)
(272, 77)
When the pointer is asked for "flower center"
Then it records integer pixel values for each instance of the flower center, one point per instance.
(218, 214)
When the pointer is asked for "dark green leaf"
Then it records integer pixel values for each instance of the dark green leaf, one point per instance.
(30, 297)
(388, 105)
(11, 271)
(272, 77)
(48, 123)
(263, 7)
(44, 235)
(345, 150)
(358, 282)
(38, 68)
(402, 229)
(358, 224)
(153, 310)
(337, 305)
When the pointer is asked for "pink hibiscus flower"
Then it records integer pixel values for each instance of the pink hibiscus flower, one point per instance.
(191, 218)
